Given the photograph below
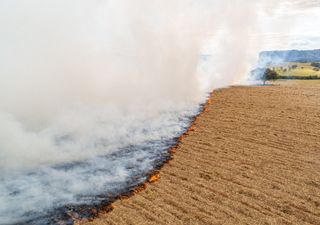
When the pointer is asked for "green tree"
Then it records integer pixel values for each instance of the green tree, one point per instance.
(269, 75)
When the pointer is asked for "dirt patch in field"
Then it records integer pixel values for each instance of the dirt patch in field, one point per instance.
(253, 158)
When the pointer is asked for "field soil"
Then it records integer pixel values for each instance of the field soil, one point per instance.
(253, 158)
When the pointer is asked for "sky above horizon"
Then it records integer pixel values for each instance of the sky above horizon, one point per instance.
(275, 25)
(292, 24)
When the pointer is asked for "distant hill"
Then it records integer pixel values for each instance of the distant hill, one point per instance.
(276, 57)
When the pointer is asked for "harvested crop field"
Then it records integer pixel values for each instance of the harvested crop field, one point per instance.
(253, 158)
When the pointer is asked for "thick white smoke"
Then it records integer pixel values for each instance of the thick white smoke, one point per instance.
(83, 80)
(105, 84)
(66, 65)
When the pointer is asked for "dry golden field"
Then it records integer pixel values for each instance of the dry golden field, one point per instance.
(253, 158)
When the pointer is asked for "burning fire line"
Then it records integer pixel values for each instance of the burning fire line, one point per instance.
(154, 176)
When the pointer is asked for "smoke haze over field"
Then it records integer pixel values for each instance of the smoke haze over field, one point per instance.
(82, 80)
(64, 62)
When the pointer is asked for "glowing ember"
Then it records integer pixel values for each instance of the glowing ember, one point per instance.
(173, 150)
(154, 178)
(192, 128)
(140, 188)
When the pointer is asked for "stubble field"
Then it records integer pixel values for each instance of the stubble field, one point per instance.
(253, 158)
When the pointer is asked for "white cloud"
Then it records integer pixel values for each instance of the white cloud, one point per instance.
(292, 24)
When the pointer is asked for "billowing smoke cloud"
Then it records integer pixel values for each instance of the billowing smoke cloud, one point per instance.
(65, 64)
(93, 92)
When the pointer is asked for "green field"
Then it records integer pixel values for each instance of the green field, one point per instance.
(296, 70)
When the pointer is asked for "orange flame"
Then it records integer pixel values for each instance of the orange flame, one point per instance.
(181, 138)
(173, 150)
(140, 188)
(192, 128)
(154, 178)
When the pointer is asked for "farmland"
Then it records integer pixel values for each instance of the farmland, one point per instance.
(292, 69)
